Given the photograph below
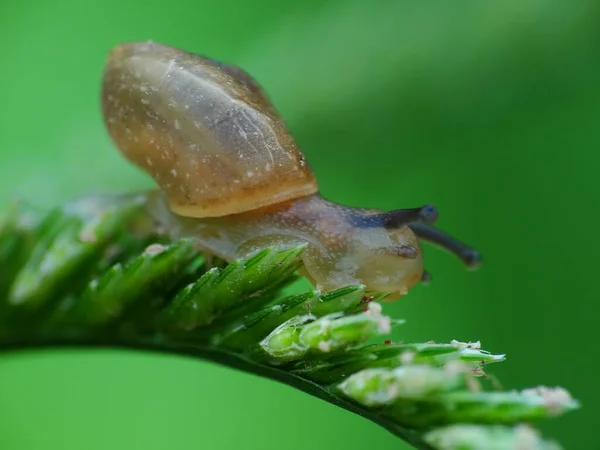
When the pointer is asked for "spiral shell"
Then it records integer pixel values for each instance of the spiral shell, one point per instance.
(204, 131)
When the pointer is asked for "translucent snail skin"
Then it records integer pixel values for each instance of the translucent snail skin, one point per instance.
(232, 177)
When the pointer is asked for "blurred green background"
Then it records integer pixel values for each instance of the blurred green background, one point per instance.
(489, 110)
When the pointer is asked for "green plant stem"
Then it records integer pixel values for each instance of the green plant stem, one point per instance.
(227, 358)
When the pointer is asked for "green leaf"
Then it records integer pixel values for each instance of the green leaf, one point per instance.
(68, 247)
(221, 289)
(149, 275)
(494, 437)
(255, 326)
(391, 355)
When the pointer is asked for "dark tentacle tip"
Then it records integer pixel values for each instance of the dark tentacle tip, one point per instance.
(428, 214)
(472, 259)
(426, 278)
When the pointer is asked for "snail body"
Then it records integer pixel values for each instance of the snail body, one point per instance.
(232, 177)
(343, 246)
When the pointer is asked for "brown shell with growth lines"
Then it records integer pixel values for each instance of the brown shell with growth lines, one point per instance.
(205, 131)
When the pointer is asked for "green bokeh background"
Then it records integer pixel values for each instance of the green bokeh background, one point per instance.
(489, 110)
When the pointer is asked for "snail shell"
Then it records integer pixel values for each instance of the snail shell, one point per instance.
(204, 131)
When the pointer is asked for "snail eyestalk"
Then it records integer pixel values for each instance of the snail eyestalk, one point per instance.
(469, 256)
(400, 217)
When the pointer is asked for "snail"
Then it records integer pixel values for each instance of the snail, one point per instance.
(232, 178)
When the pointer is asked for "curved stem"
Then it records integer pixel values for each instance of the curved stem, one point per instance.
(220, 356)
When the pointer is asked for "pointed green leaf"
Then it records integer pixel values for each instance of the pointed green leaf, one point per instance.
(221, 289)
